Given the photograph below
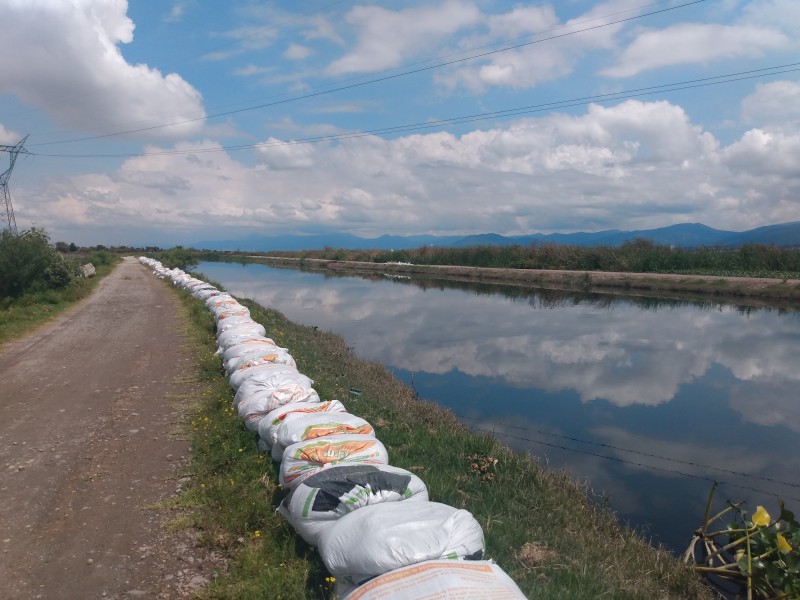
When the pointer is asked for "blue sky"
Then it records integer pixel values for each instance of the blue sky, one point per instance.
(147, 99)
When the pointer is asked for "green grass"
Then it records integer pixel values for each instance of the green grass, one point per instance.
(540, 525)
(19, 316)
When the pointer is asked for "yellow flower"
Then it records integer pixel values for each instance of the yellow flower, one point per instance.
(257, 533)
(761, 517)
(783, 545)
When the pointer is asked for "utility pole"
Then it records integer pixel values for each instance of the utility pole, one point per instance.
(13, 152)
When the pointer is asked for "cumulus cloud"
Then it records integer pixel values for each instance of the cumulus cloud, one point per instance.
(694, 43)
(7, 136)
(538, 62)
(632, 165)
(386, 38)
(773, 104)
(79, 77)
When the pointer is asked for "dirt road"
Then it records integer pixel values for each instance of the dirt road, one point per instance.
(89, 442)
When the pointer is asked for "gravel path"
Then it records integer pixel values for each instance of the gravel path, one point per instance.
(89, 442)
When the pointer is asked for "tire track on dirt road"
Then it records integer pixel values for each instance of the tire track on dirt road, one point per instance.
(88, 444)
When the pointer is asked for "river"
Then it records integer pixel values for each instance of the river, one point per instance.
(649, 401)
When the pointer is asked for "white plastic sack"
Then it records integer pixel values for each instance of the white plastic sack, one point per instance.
(259, 406)
(232, 322)
(304, 459)
(282, 387)
(440, 580)
(250, 328)
(221, 300)
(319, 501)
(380, 538)
(231, 311)
(235, 336)
(269, 364)
(244, 346)
(259, 356)
(268, 427)
(298, 427)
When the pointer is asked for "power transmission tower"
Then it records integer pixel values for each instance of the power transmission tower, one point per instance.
(13, 152)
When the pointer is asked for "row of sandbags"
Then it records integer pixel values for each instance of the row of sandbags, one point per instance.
(373, 523)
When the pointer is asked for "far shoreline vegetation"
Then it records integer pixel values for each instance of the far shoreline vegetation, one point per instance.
(754, 274)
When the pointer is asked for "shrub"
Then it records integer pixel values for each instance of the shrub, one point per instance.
(28, 263)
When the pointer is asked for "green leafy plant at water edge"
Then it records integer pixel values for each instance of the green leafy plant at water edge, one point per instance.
(761, 554)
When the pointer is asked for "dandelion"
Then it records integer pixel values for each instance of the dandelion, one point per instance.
(761, 517)
(783, 545)
(257, 533)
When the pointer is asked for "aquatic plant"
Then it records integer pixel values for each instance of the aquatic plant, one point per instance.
(758, 553)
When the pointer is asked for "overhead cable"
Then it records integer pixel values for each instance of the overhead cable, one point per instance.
(372, 81)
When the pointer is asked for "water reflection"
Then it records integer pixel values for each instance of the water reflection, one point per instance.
(640, 396)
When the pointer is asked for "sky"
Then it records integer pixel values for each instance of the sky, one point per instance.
(175, 122)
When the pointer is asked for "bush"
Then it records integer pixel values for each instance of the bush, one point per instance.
(28, 263)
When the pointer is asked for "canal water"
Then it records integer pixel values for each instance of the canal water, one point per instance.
(649, 401)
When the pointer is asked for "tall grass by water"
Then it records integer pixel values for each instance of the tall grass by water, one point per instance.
(639, 256)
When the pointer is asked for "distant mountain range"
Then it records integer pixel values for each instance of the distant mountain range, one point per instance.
(687, 235)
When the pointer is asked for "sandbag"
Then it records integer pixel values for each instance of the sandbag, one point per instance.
(247, 328)
(266, 367)
(235, 336)
(320, 500)
(244, 346)
(268, 427)
(231, 311)
(219, 301)
(374, 540)
(232, 322)
(297, 427)
(439, 580)
(282, 387)
(258, 407)
(258, 356)
(304, 459)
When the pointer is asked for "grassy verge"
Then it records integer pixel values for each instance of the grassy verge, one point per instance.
(540, 525)
(21, 315)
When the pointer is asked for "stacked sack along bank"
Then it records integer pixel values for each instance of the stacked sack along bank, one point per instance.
(376, 529)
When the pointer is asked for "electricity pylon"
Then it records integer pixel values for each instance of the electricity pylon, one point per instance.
(13, 152)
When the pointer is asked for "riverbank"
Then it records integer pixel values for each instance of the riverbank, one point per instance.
(542, 527)
(751, 291)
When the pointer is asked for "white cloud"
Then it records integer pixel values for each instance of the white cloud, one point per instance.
(694, 43)
(386, 38)
(8, 137)
(251, 69)
(776, 103)
(176, 13)
(537, 62)
(633, 165)
(79, 77)
(297, 52)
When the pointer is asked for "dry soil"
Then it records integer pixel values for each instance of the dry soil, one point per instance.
(89, 442)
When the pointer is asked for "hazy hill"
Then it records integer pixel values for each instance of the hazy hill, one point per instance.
(687, 235)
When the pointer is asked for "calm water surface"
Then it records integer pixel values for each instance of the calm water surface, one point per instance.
(649, 401)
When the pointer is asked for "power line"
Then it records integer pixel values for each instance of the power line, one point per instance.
(511, 112)
(258, 31)
(642, 465)
(638, 452)
(376, 80)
